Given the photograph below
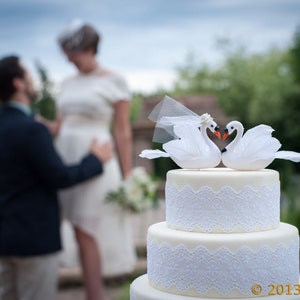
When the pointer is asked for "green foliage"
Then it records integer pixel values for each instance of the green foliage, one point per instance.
(250, 87)
(290, 204)
(163, 164)
(124, 295)
(45, 104)
(295, 56)
(135, 106)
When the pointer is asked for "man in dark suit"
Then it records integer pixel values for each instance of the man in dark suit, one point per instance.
(31, 172)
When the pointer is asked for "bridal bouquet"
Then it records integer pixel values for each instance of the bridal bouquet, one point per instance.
(137, 194)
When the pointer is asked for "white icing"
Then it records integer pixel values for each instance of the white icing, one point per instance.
(222, 200)
(217, 178)
(161, 233)
(221, 265)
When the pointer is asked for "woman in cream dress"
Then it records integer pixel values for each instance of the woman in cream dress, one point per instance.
(95, 104)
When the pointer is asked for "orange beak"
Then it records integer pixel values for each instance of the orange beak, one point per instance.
(225, 136)
(218, 134)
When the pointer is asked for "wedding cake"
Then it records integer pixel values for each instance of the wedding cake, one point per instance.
(222, 239)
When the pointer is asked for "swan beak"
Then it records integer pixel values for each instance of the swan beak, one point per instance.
(218, 134)
(225, 136)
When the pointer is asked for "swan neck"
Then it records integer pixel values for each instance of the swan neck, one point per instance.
(239, 134)
(205, 136)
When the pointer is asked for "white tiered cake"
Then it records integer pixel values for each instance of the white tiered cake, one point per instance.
(222, 239)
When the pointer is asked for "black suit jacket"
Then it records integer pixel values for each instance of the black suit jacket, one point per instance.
(31, 172)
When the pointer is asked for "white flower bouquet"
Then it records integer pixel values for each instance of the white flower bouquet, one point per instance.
(137, 194)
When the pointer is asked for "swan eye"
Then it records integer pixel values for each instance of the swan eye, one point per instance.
(211, 126)
(232, 127)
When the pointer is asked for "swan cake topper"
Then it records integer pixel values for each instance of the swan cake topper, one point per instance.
(254, 150)
(184, 139)
(184, 136)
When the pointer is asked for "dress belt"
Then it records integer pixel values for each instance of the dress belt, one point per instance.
(84, 119)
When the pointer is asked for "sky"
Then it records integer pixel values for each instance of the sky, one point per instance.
(145, 41)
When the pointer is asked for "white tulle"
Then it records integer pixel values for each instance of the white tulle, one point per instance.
(168, 113)
(255, 150)
(221, 270)
(206, 210)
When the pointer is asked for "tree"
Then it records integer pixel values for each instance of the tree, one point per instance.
(255, 89)
(295, 56)
(45, 104)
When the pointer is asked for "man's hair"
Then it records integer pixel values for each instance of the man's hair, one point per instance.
(10, 69)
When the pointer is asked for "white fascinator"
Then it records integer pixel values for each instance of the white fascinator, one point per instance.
(70, 36)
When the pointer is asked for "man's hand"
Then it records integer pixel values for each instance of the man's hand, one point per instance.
(104, 152)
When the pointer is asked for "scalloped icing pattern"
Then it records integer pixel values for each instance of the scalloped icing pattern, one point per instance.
(199, 272)
(226, 210)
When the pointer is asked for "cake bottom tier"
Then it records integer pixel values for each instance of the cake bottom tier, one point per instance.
(141, 289)
(224, 266)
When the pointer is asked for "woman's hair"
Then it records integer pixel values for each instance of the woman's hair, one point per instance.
(79, 37)
(10, 68)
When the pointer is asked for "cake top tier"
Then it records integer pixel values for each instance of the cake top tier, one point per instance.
(222, 200)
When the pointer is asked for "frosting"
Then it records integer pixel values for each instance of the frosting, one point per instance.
(217, 178)
(221, 200)
(140, 289)
(160, 233)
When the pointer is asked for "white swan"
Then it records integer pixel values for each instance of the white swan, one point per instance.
(193, 149)
(255, 150)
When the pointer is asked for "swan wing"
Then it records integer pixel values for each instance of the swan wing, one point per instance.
(151, 154)
(179, 149)
(186, 131)
(259, 130)
(258, 143)
(164, 130)
(289, 155)
(190, 144)
(190, 134)
(263, 147)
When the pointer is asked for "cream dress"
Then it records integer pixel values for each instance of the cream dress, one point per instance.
(86, 104)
